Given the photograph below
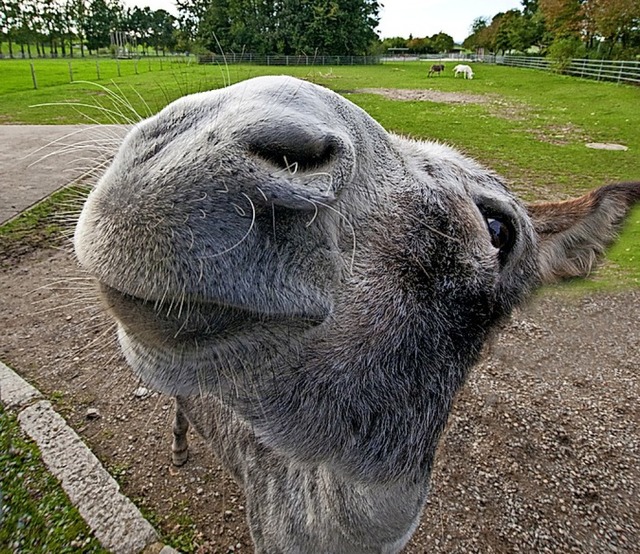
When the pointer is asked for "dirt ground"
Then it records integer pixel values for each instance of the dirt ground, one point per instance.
(541, 453)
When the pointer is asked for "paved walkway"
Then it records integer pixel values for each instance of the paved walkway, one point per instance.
(36, 160)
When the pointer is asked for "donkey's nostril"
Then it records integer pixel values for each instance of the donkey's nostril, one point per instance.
(295, 151)
(300, 167)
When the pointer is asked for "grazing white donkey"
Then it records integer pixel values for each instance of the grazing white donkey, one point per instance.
(464, 69)
(314, 291)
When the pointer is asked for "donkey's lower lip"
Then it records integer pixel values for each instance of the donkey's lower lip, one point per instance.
(175, 319)
(188, 320)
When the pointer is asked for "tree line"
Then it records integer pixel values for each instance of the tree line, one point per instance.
(73, 27)
(331, 27)
(563, 29)
(29, 28)
(559, 28)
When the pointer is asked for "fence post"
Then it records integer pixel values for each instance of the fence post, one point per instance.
(135, 66)
(33, 77)
(118, 66)
(600, 69)
(620, 72)
(70, 72)
(98, 69)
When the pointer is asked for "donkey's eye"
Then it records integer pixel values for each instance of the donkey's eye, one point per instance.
(502, 236)
(501, 228)
(500, 233)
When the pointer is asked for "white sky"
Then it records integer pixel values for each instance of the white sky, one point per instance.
(404, 17)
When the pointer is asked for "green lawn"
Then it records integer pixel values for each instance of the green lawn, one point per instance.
(532, 130)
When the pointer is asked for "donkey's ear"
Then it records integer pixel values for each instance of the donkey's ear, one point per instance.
(574, 234)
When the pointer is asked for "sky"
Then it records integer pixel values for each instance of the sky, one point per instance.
(419, 18)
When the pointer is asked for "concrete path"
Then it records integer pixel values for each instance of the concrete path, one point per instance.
(36, 160)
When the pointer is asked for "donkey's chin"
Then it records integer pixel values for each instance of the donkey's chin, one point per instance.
(195, 347)
(174, 372)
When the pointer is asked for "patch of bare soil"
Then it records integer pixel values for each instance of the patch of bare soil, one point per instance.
(541, 453)
(498, 107)
(428, 95)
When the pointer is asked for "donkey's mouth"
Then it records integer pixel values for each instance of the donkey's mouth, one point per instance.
(188, 321)
(186, 347)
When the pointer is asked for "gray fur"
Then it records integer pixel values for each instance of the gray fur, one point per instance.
(313, 290)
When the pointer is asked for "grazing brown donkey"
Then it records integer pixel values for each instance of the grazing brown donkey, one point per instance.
(314, 290)
(436, 68)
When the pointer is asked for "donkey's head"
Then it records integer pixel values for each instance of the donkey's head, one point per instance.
(270, 243)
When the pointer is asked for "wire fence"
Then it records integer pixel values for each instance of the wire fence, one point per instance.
(42, 73)
(20, 75)
(282, 60)
(619, 71)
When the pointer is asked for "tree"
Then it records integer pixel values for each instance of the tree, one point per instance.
(27, 26)
(80, 16)
(474, 40)
(563, 18)
(192, 13)
(442, 42)
(564, 28)
(507, 31)
(340, 27)
(163, 31)
(284, 26)
(529, 7)
(616, 21)
(487, 37)
(10, 11)
(138, 25)
(420, 45)
(99, 24)
(211, 25)
(52, 13)
(479, 23)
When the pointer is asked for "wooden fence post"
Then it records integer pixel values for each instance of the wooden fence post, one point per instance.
(33, 77)
(70, 72)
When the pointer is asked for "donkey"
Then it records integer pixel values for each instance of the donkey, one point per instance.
(436, 68)
(314, 290)
(464, 69)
